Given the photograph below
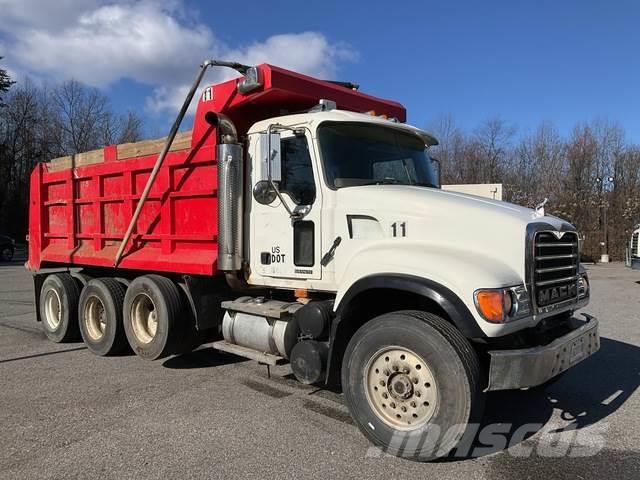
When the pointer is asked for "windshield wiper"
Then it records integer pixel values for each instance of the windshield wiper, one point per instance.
(383, 181)
(393, 181)
(424, 184)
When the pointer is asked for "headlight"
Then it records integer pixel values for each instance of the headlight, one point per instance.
(499, 305)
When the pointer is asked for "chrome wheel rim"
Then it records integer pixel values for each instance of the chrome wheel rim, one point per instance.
(94, 317)
(144, 319)
(400, 388)
(52, 309)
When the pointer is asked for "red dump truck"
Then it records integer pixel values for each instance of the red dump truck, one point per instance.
(301, 221)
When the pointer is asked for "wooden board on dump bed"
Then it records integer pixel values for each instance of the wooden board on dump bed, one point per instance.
(125, 151)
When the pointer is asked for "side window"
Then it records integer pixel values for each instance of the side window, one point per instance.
(297, 172)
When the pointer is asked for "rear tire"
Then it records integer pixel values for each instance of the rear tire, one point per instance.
(100, 316)
(59, 297)
(412, 384)
(152, 310)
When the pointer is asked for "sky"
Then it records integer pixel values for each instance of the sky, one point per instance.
(563, 61)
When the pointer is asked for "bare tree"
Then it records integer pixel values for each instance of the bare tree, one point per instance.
(536, 167)
(121, 128)
(451, 149)
(130, 129)
(41, 123)
(83, 114)
(492, 145)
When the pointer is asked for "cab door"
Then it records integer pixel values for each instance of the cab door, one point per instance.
(284, 245)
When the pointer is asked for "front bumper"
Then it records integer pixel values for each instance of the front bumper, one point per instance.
(530, 367)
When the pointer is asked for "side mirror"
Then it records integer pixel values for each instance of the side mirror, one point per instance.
(264, 193)
(271, 166)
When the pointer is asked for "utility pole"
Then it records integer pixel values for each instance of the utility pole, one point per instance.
(604, 257)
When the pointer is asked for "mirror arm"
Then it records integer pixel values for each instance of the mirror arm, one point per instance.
(292, 214)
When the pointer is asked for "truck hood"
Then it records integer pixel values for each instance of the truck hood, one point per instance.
(444, 223)
(434, 203)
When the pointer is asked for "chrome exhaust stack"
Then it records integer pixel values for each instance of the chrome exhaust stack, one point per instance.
(230, 194)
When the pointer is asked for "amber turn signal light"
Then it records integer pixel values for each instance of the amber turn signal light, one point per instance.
(494, 305)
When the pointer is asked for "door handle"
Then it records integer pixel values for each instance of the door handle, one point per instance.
(329, 255)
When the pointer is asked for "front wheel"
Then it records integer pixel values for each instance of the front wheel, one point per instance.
(412, 384)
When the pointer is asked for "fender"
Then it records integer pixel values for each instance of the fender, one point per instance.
(453, 306)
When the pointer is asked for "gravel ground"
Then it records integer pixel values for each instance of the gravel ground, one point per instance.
(68, 414)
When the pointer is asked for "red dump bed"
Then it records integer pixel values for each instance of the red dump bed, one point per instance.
(79, 212)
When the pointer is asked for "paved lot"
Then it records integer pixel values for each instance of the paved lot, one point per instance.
(67, 414)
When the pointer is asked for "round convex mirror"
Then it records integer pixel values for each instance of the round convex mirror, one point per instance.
(263, 192)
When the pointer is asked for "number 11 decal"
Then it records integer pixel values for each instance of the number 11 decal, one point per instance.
(399, 229)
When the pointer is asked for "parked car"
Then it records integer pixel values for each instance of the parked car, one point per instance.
(7, 248)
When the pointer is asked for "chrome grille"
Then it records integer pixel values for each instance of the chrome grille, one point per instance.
(555, 267)
(634, 245)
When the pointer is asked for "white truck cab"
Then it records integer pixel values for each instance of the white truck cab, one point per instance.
(403, 289)
(366, 202)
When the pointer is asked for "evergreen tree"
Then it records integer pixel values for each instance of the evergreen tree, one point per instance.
(5, 82)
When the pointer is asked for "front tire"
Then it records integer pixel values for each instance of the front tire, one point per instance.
(152, 310)
(412, 384)
(59, 307)
(100, 316)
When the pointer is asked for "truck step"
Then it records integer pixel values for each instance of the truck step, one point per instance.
(266, 358)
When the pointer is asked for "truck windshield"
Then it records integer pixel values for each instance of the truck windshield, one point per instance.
(357, 154)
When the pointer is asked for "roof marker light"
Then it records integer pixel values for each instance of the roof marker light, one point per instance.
(251, 81)
(324, 105)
